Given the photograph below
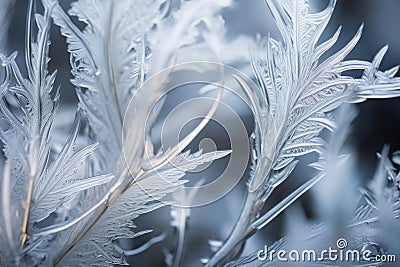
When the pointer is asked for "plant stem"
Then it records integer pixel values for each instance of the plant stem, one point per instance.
(24, 235)
(110, 38)
(233, 246)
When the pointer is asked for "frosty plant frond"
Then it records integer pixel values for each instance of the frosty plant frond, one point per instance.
(301, 92)
(375, 216)
(36, 183)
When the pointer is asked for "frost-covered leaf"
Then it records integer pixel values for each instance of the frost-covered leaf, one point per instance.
(59, 184)
(108, 60)
(29, 110)
(306, 88)
(142, 197)
(97, 247)
(41, 182)
(302, 91)
(121, 44)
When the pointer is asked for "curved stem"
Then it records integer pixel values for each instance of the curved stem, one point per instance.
(110, 63)
(232, 247)
(183, 221)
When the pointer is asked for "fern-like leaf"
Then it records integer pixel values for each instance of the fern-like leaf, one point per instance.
(301, 92)
(142, 197)
(37, 184)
